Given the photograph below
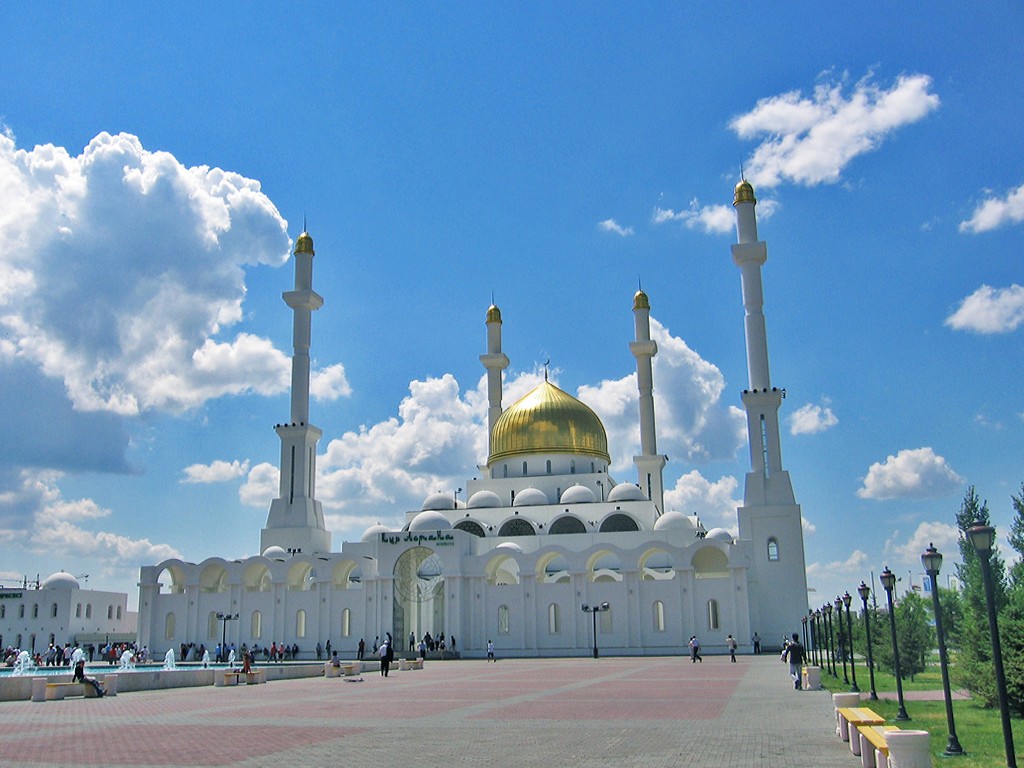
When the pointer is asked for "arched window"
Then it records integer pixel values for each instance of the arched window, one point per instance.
(502, 619)
(659, 616)
(110, 612)
(346, 623)
(53, 611)
(572, 467)
(119, 613)
(712, 614)
(35, 610)
(773, 549)
(88, 611)
(554, 619)
(169, 626)
(469, 526)
(300, 623)
(504, 470)
(524, 469)
(78, 611)
(256, 625)
(549, 466)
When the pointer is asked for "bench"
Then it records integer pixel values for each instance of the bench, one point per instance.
(332, 671)
(415, 663)
(855, 717)
(352, 668)
(227, 677)
(256, 676)
(57, 691)
(874, 749)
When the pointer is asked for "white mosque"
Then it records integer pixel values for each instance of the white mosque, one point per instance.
(546, 536)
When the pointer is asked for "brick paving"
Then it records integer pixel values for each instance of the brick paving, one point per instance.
(648, 712)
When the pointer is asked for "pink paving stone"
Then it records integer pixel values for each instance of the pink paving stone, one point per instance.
(549, 709)
(197, 745)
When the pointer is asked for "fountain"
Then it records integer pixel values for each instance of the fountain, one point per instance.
(169, 659)
(76, 656)
(126, 664)
(206, 659)
(23, 665)
(231, 658)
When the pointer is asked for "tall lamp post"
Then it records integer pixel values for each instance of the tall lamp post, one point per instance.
(593, 610)
(807, 645)
(932, 562)
(830, 639)
(842, 642)
(983, 537)
(224, 618)
(865, 591)
(847, 599)
(817, 635)
(888, 579)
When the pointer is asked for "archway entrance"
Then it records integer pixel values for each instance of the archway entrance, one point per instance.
(418, 596)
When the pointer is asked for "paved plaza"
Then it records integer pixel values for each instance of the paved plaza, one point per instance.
(648, 712)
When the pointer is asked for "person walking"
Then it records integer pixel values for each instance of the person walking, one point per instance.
(384, 652)
(490, 652)
(730, 642)
(695, 650)
(794, 653)
(360, 651)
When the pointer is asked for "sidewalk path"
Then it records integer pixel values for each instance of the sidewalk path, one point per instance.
(648, 712)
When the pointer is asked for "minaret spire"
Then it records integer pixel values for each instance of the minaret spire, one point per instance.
(296, 519)
(495, 362)
(649, 463)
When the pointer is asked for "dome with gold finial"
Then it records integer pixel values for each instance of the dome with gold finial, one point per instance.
(493, 314)
(304, 244)
(640, 300)
(548, 420)
(744, 193)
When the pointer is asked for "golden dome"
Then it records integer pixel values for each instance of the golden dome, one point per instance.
(744, 193)
(548, 420)
(304, 244)
(640, 301)
(493, 314)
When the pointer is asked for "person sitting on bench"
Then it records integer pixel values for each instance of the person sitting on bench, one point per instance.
(79, 677)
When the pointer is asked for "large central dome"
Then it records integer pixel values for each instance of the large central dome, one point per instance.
(548, 420)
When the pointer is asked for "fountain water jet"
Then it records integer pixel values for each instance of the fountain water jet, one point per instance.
(169, 659)
(126, 664)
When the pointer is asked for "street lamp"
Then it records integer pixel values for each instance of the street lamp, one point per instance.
(830, 640)
(847, 599)
(224, 618)
(817, 638)
(932, 562)
(807, 645)
(888, 579)
(865, 591)
(983, 537)
(593, 610)
(842, 641)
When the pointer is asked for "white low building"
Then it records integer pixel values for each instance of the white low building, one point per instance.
(546, 531)
(57, 610)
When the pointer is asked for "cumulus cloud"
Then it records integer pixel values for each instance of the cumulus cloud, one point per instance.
(995, 212)
(809, 419)
(911, 474)
(855, 563)
(710, 219)
(329, 383)
(610, 225)
(944, 536)
(150, 253)
(810, 140)
(714, 503)
(990, 310)
(217, 472)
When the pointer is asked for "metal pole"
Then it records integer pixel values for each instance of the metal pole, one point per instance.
(594, 616)
(997, 658)
(901, 714)
(842, 641)
(953, 744)
(849, 628)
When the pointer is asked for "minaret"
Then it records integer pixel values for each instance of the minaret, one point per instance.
(495, 362)
(649, 464)
(770, 517)
(296, 519)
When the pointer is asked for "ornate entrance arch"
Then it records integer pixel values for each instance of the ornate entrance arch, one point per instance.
(418, 595)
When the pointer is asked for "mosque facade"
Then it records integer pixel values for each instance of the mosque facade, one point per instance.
(545, 537)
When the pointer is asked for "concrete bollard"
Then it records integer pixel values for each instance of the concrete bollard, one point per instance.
(909, 749)
(812, 678)
(840, 700)
(111, 685)
(38, 689)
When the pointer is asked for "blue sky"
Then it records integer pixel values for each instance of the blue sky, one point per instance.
(157, 163)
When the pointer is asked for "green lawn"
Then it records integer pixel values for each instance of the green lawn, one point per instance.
(979, 730)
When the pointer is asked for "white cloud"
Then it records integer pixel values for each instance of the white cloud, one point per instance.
(217, 472)
(811, 140)
(809, 419)
(713, 503)
(990, 310)
(807, 525)
(911, 474)
(710, 219)
(995, 212)
(260, 486)
(610, 225)
(944, 536)
(853, 564)
(329, 383)
(151, 255)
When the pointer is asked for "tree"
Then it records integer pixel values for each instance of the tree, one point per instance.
(952, 616)
(1011, 620)
(1016, 539)
(913, 634)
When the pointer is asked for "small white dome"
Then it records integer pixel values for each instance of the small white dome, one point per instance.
(673, 521)
(60, 580)
(626, 492)
(510, 545)
(374, 531)
(275, 552)
(484, 499)
(438, 500)
(530, 497)
(719, 534)
(430, 520)
(578, 494)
